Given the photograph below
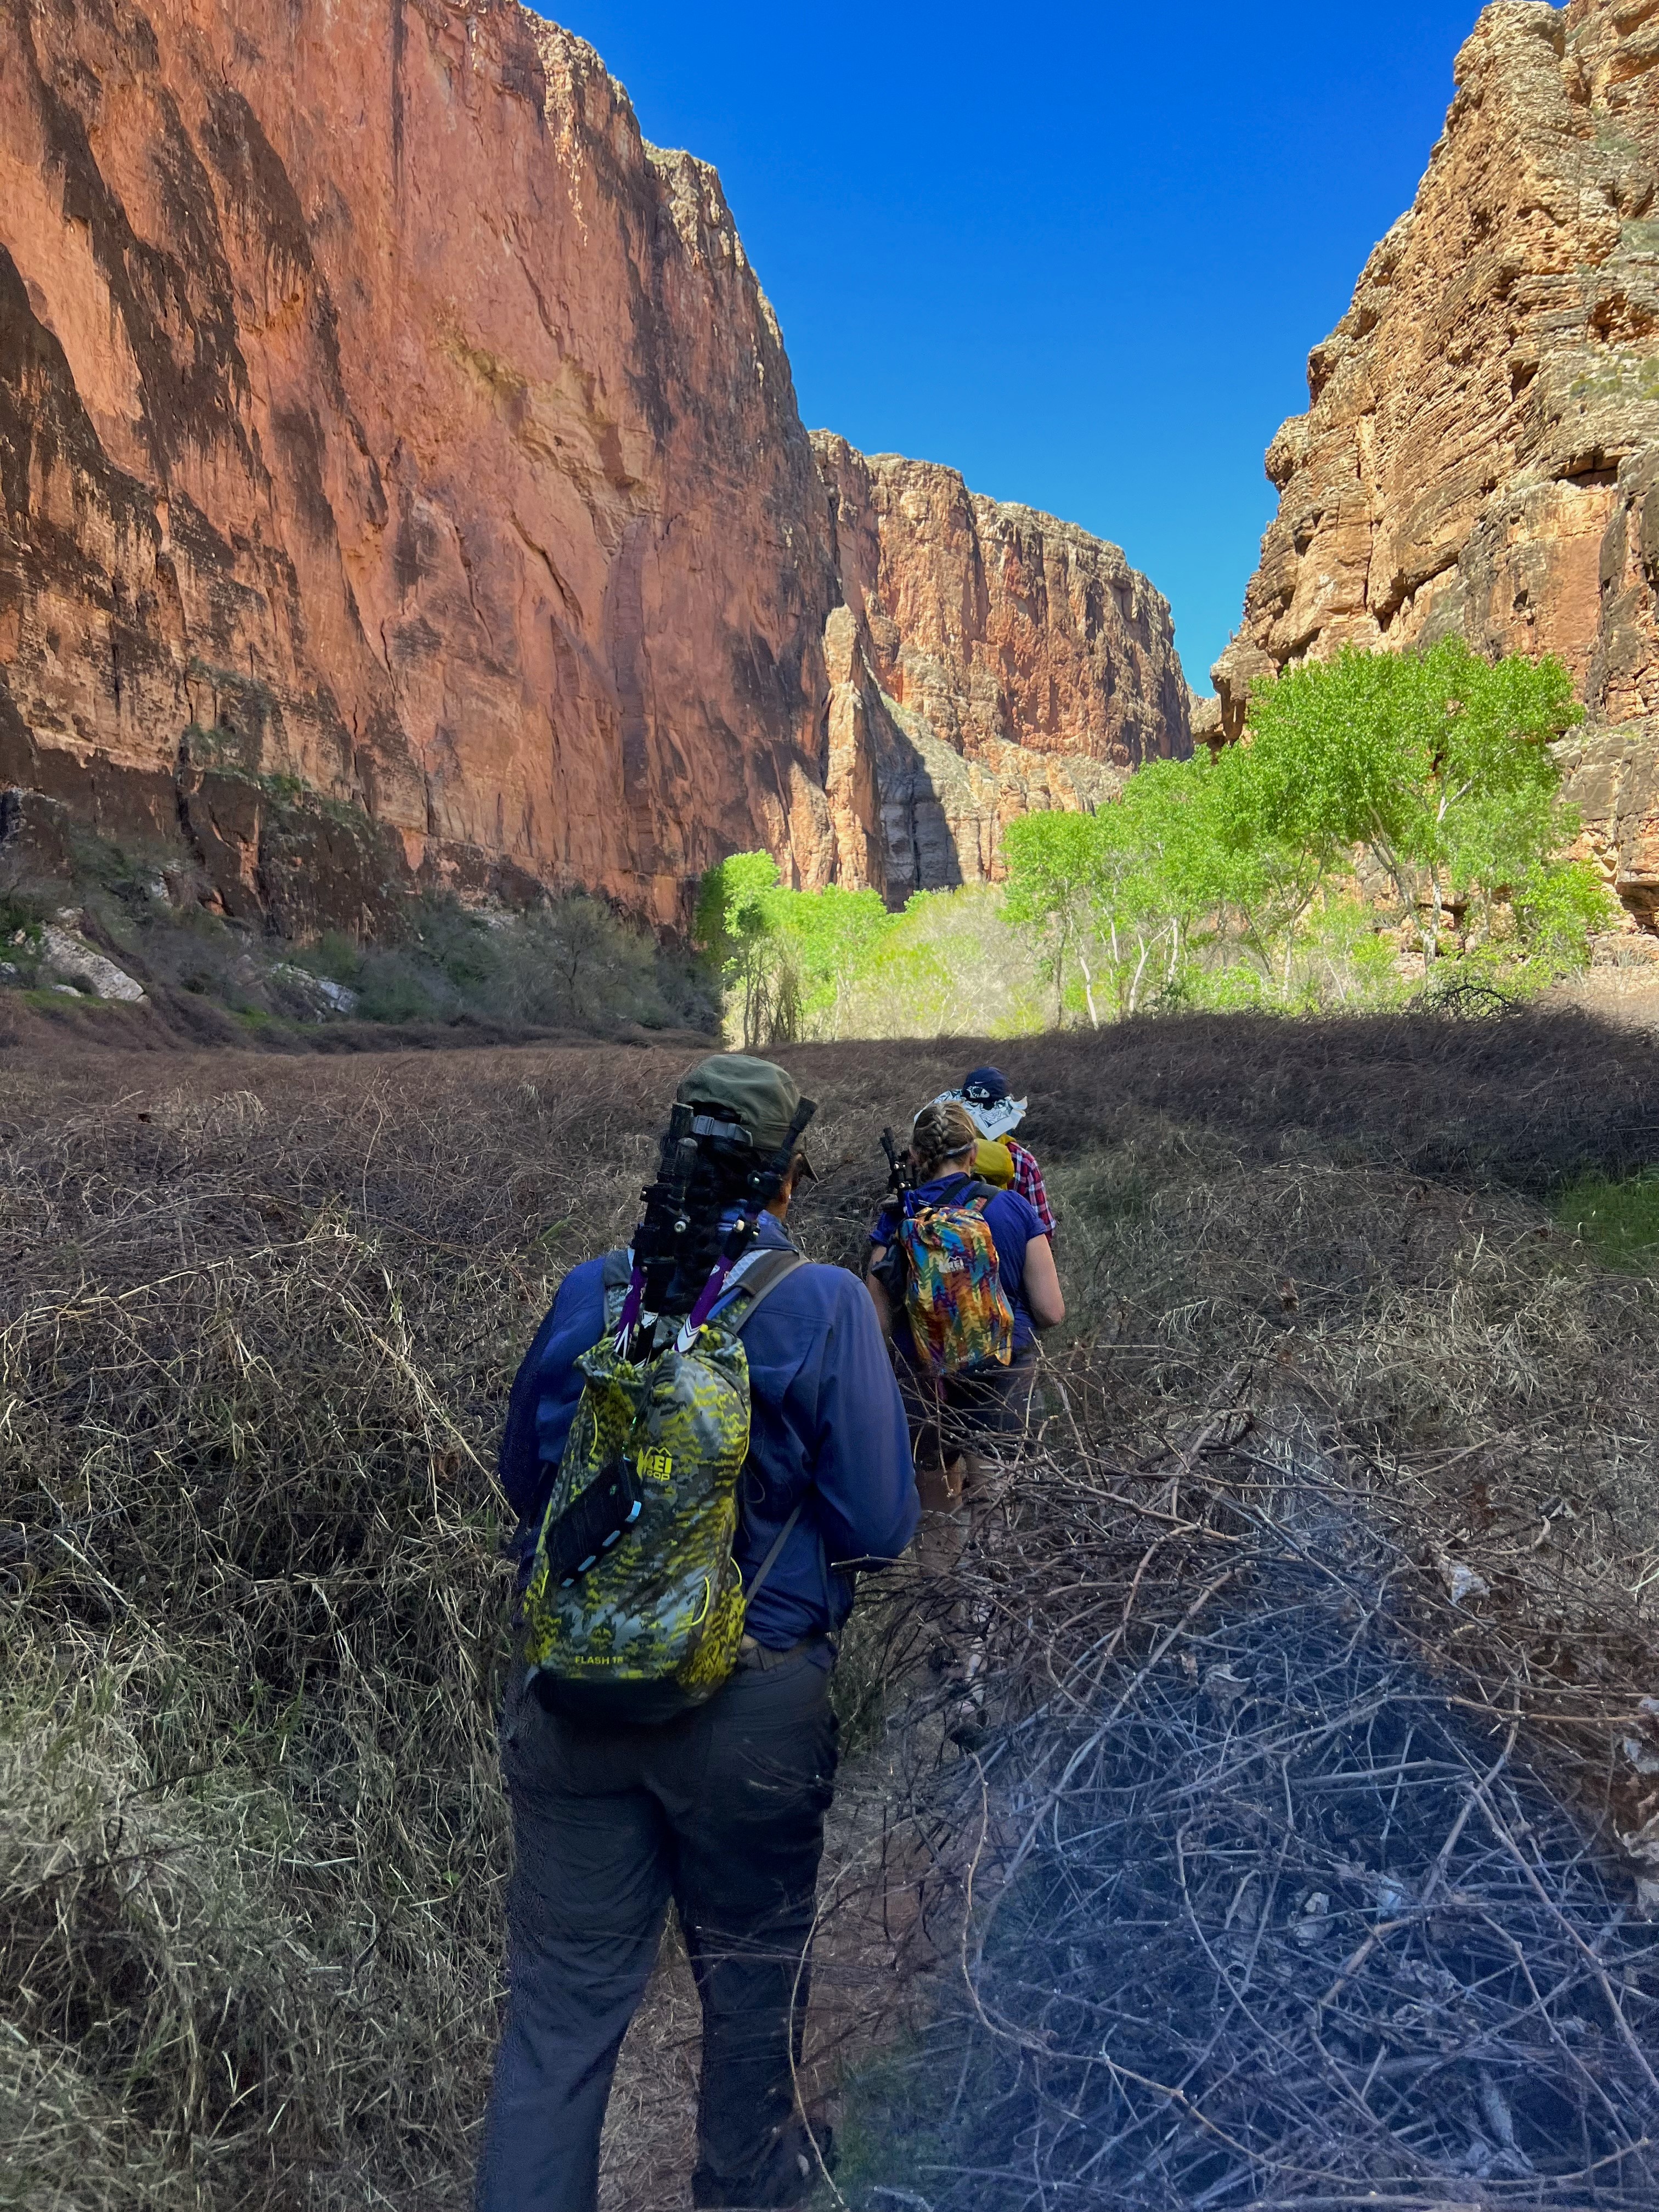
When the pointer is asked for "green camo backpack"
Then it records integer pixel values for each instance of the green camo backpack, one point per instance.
(649, 1624)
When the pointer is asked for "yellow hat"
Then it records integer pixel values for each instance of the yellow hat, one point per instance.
(994, 1163)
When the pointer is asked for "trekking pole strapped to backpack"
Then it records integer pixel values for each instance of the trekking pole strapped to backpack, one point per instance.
(901, 1175)
(659, 1242)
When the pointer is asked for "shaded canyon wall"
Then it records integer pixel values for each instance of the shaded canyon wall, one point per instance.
(1481, 450)
(403, 482)
(995, 660)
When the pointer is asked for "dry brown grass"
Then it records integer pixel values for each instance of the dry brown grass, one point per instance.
(258, 1318)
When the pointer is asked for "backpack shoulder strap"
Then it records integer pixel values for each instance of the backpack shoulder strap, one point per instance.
(973, 1196)
(772, 1269)
(757, 1283)
(772, 1557)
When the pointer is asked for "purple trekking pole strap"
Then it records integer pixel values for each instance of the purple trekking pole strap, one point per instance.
(627, 1321)
(708, 1298)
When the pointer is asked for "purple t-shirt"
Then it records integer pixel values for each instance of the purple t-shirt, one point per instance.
(1013, 1221)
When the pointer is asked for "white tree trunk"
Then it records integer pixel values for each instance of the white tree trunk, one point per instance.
(1088, 989)
(1140, 970)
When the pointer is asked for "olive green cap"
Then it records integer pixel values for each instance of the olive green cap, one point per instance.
(764, 1098)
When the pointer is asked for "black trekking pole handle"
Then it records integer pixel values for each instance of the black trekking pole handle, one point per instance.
(900, 1177)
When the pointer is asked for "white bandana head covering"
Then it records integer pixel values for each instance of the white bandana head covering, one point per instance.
(984, 1095)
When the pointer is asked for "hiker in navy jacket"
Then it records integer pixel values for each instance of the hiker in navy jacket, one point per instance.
(721, 1809)
(996, 1113)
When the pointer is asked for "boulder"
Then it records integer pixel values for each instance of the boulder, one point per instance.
(69, 963)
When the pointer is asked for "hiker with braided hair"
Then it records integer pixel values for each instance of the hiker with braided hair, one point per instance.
(965, 1377)
(703, 1445)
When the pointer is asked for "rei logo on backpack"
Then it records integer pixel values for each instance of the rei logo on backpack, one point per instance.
(959, 1314)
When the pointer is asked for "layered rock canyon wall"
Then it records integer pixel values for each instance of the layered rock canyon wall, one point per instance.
(403, 483)
(1481, 451)
(1002, 662)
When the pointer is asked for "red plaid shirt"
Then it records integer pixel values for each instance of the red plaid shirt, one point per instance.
(1027, 1181)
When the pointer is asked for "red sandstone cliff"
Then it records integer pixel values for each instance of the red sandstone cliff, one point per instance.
(1006, 661)
(403, 481)
(1481, 451)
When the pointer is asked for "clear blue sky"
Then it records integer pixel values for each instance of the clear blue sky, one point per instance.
(1078, 251)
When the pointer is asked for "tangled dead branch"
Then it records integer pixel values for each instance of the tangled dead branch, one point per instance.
(1278, 1913)
(256, 1319)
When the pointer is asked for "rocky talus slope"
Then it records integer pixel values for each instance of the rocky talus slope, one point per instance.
(403, 482)
(1481, 451)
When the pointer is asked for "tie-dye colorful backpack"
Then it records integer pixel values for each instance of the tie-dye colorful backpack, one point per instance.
(959, 1314)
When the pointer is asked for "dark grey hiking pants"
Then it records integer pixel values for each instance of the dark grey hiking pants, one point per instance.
(723, 1811)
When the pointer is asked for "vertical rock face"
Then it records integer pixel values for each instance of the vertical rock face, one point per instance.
(383, 415)
(1481, 451)
(1005, 661)
(403, 479)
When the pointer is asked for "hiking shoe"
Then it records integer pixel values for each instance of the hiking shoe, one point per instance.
(791, 2178)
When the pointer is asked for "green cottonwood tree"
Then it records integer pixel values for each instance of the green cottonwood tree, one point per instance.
(734, 928)
(1054, 864)
(1437, 762)
(786, 957)
(1183, 872)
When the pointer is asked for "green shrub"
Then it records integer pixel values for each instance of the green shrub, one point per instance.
(21, 918)
(1557, 910)
(1618, 1217)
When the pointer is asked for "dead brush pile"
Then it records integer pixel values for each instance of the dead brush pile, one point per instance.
(1296, 1859)
(1241, 1897)
(251, 1362)
(257, 1322)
